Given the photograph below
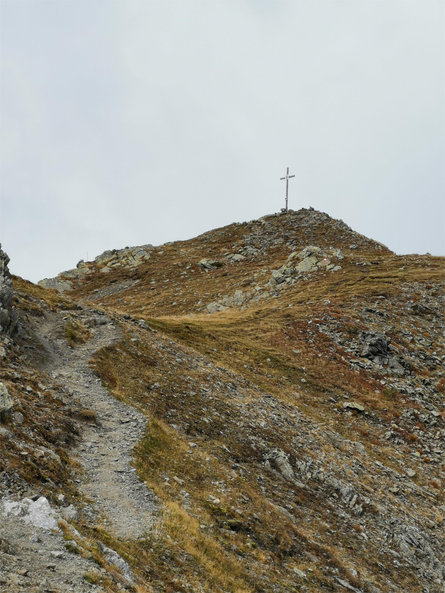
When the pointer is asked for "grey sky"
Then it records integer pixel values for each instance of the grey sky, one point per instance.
(144, 121)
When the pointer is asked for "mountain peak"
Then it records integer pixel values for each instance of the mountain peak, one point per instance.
(261, 244)
(259, 408)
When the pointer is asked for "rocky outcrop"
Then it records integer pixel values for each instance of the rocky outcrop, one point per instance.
(238, 299)
(8, 315)
(374, 345)
(310, 259)
(297, 266)
(235, 257)
(209, 264)
(57, 283)
(307, 227)
(129, 258)
(63, 282)
(6, 403)
(277, 460)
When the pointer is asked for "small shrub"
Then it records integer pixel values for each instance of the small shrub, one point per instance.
(92, 578)
(390, 392)
(353, 330)
(88, 416)
(72, 548)
(76, 333)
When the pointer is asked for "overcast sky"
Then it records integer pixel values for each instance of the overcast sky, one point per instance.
(125, 122)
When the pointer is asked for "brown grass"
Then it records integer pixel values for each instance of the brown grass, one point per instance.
(199, 528)
(76, 333)
(87, 416)
(32, 297)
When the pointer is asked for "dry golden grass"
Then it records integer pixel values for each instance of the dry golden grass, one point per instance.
(87, 415)
(76, 333)
(30, 294)
(172, 282)
(197, 532)
(273, 345)
(85, 541)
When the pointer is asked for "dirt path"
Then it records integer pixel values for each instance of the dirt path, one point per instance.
(125, 504)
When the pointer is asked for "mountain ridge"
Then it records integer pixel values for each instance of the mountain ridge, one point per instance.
(133, 256)
(290, 375)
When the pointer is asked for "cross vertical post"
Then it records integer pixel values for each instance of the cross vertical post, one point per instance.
(287, 177)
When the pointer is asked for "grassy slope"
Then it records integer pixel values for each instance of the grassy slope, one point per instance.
(273, 347)
(222, 390)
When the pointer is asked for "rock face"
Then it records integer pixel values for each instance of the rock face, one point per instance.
(8, 316)
(129, 257)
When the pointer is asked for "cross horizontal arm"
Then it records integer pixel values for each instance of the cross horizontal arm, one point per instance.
(289, 176)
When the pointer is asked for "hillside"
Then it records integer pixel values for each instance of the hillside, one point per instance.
(258, 409)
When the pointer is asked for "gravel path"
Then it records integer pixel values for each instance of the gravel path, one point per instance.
(111, 484)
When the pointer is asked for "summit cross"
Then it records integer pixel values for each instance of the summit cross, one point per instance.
(287, 177)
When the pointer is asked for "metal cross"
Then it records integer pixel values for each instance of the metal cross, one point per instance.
(287, 186)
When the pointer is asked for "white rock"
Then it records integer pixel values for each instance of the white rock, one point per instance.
(38, 513)
(215, 307)
(114, 558)
(354, 406)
